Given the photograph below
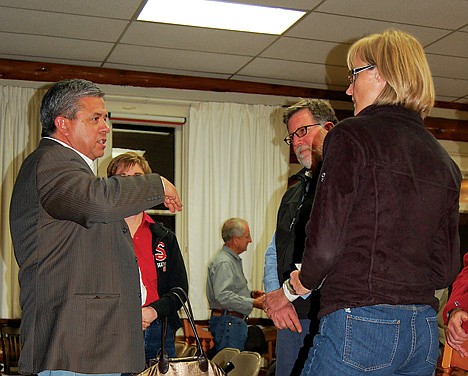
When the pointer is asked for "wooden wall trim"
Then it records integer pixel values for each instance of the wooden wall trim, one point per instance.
(52, 72)
(442, 128)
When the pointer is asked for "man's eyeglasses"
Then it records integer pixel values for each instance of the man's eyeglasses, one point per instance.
(299, 133)
(352, 73)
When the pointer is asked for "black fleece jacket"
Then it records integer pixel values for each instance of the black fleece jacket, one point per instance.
(171, 272)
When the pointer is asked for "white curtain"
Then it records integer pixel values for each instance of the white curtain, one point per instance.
(19, 134)
(236, 166)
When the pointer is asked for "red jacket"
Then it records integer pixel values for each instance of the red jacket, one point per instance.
(459, 296)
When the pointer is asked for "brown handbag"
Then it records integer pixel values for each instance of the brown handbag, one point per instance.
(197, 365)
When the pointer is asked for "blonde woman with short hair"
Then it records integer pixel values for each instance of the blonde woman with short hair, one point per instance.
(386, 207)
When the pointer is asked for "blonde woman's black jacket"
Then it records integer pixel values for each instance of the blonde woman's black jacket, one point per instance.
(171, 272)
(386, 210)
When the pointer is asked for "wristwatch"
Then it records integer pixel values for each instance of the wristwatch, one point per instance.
(289, 291)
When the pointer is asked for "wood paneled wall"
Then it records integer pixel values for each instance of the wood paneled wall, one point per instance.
(442, 128)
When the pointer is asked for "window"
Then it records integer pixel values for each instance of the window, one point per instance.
(157, 143)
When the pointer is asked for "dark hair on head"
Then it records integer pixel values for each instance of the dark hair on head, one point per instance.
(62, 99)
(320, 109)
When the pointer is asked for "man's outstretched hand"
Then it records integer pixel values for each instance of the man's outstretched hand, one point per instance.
(172, 200)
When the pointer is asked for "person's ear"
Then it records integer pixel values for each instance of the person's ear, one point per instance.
(380, 81)
(379, 78)
(328, 125)
(61, 123)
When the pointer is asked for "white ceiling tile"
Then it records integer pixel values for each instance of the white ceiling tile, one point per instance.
(278, 81)
(166, 71)
(317, 26)
(46, 59)
(455, 44)
(38, 46)
(285, 70)
(451, 87)
(177, 59)
(433, 13)
(445, 99)
(296, 71)
(305, 50)
(102, 8)
(463, 100)
(60, 25)
(448, 66)
(196, 38)
(290, 4)
(301, 84)
(58, 30)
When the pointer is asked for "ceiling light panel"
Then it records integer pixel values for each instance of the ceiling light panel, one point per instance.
(220, 15)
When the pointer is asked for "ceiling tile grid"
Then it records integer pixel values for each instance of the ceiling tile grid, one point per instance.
(311, 53)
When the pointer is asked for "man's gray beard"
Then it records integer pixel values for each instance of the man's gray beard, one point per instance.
(306, 163)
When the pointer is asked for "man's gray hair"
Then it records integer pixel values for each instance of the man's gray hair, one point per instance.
(62, 99)
(320, 109)
(233, 227)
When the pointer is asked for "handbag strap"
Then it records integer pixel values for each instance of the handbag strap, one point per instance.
(184, 300)
(163, 358)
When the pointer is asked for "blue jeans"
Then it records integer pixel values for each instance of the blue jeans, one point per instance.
(153, 340)
(292, 349)
(228, 331)
(379, 340)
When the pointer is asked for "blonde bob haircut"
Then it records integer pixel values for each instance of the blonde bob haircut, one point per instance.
(401, 62)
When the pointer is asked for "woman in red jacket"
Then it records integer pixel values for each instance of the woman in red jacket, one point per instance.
(160, 262)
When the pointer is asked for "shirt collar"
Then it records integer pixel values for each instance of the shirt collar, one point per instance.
(231, 252)
(147, 218)
(88, 161)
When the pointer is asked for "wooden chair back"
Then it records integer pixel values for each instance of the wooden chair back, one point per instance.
(451, 359)
(203, 331)
(11, 347)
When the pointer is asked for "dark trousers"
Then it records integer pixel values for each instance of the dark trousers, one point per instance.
(153, 340)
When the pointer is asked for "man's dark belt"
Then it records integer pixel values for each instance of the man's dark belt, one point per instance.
(222, 312)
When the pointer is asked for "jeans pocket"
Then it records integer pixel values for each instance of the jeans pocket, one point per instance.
(370, 344)
(433, 355)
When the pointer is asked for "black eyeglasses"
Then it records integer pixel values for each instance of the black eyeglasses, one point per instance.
(352, 73)
(299, 133)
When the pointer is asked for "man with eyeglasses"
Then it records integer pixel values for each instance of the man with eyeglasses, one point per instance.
(308, 122)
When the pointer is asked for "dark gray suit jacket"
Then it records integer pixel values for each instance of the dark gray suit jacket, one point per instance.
(78, 273)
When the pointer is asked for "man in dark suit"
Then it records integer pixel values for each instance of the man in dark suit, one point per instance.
(80, 291)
